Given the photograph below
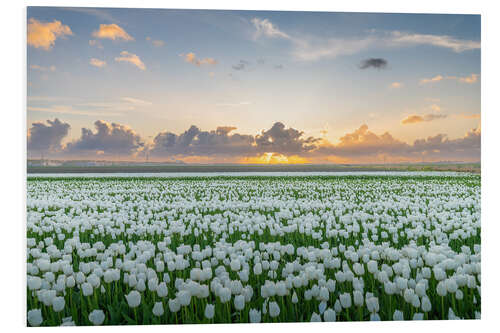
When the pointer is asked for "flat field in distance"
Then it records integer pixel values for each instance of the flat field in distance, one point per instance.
(156, 167)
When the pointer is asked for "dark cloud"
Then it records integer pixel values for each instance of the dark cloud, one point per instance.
(207, 143)
(109, 138)
(377, 63)
(261, 61)
(44, 137)
(468, 147)
(222, 142)
(280, 66)
(241, 65)
(285, 141)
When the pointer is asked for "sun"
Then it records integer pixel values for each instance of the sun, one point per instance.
(274, 158)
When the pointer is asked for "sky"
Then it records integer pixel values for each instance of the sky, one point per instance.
(208, 86)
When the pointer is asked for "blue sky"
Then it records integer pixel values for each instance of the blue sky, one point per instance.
(251, 69)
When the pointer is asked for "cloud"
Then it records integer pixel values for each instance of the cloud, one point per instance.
(155, 42)
(436, 78)
(363, 142)
(414, 119)
(112, 31)
(377, 63)
(280, 66)
(278, 144)
(136, 101)
(241, 65)
(365, 146)
(205, 143)
(42, 137)
(467, 147)
(285, 141)
(264, 28)
(454, 44)
(44, 34)
(97, 63)
(469, 79)
(396, 85)
(435, 108)
(191, 58)
(131, 58)
(109, 138)
(471, 116)
(465, 79)
(43, 69)
(313, 48)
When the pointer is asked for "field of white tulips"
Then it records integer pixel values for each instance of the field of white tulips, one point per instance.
(149, 250)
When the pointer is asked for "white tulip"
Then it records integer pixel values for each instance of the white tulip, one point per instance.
(398, 315)
(58, 303)
(96, 317)
(174, 305)
(35, 317)
(209, 311)
(158, 309)
(133, 299)
(315, 317)
(274, 309)
(255, 316)
(239, 302)
(345, 300)
(87, 289)
(329, 315)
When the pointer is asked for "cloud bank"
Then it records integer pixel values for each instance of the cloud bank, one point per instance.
(278, 143)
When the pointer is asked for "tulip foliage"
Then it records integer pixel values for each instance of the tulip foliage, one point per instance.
(152, 250)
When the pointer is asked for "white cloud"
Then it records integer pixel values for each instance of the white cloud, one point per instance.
(265, 28)
(97, 62)
(462, 79)
(454, 44)
(131, 58)
(136, 101)
(313, 48)
(436, 78)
